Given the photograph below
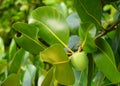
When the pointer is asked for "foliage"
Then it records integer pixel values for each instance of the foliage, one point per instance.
(38, 38)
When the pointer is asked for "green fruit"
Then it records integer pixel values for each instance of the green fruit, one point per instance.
(79, 61)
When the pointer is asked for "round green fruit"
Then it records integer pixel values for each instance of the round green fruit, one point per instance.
(79, 60)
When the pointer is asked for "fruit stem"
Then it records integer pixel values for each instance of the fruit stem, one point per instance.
(69, 53)
(62, 62)
(80, 48)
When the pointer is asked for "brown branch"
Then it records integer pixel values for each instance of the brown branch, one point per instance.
(105, 31)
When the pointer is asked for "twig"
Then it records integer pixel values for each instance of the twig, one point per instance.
(69, 53)
(80, 48)
(105, 31)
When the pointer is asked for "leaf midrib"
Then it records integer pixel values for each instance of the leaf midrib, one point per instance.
(40, 44)
(47, 27)
(107, 56)
(86, 36)
(89, 14)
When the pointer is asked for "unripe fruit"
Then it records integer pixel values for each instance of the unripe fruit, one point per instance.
(79, 61)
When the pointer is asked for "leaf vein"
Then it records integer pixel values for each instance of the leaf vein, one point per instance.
(56, 37)
(43, 46)
(107, 56)
(89, 14)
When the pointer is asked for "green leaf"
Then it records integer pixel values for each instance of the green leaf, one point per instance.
(63, 70)
(48, 79)
(2, 50)
(87, 32)
(62, 8)
(116, 40)
(89, 11)
(27, 79)
(17, 61)
(54, 54)
(77, 77)
(12, 80)
(50, 2)
(29, 76)
(64, 74)
(29, 38)
(98, 79)
(12, 49)
(83, 78)
(105, 61)
(3, 65)
(91, 71)
(52, 25)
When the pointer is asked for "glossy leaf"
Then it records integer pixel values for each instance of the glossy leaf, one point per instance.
(77, 77)
(83, 81)
(40, 80)
(62, 8)
(17, 61)
(63, 71)
(87, 32)
(29, 76)
(29, 38)
(27, 79)
(105, 61)
(89, 11)
(73, 21)
(52, 25)
(12, 49)
(12, 80)
(48, 79)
